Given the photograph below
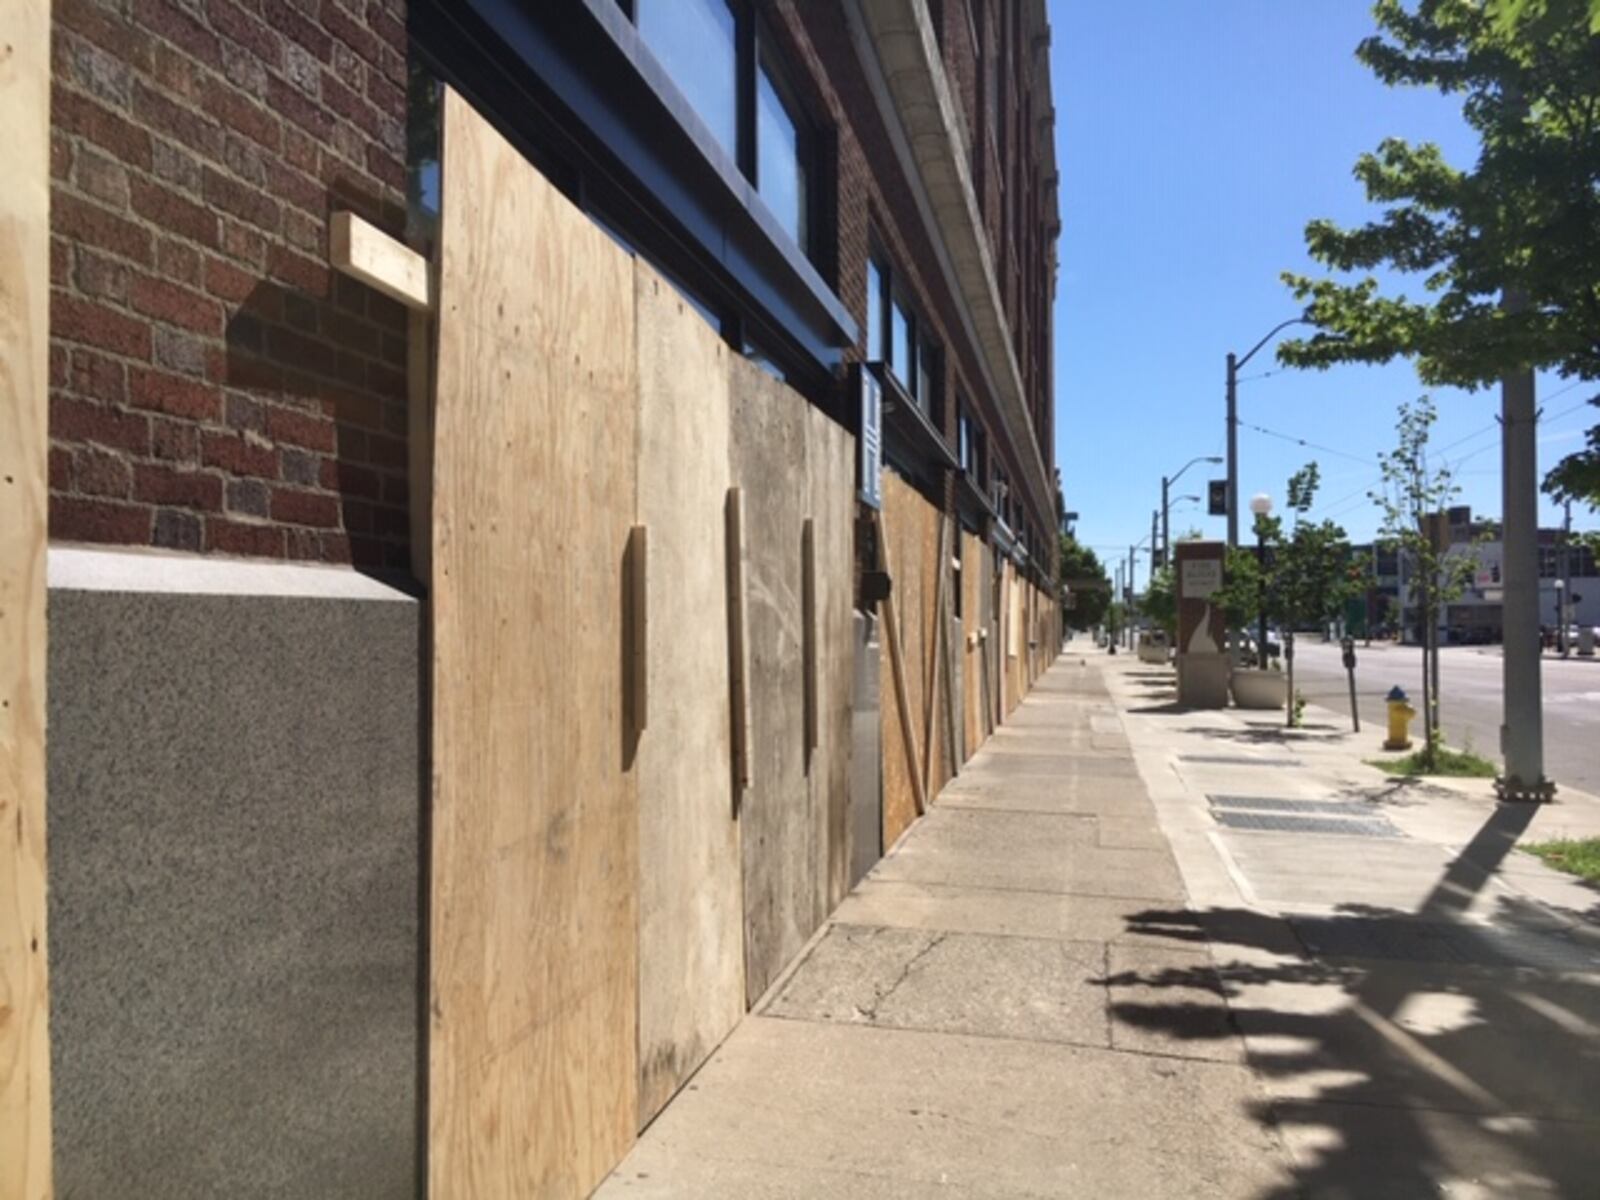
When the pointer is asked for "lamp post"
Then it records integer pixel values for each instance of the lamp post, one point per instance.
(1168, 481)
(1166, 546)
(1261, 506)
(1234, 363)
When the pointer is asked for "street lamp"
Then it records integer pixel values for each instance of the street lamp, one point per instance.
(1168, 481)
(1261, 506)
(1233, 421)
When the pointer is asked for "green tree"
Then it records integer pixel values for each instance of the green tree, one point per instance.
(1309, 575)
(1525, 218)
(1088, 586)
(1412, 501)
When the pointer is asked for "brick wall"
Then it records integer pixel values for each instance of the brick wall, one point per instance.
(213, 387)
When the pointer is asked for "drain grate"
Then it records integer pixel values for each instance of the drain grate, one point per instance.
(1239, 760)
(1402, 940)
(1279, 804)
(1275, 823)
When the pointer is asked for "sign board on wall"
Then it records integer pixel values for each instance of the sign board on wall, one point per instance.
(870, 462)
(1202, 577)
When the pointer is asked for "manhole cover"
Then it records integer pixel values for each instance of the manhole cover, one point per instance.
(1327, 808)
(1239, 760)
(1274, 823)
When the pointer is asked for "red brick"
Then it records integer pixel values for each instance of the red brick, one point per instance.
(175, 441)
(60, 155)
(249, 204)
(300, 429)
(95, 22)
(174, 213)
(97, 377)
(239, 26)
(293, 106)
(179, 28)
(284, 16)
(90, 322)
(227, 281)
(181, 489)
(176, 530)
(349, 479)
(360, 39)
(243, 243)
(81, 221)
(386, 451)
(305, 508)
(178, 262)
(239, 455)
(239, 113)
(297, 189)
(237, 537)
(99, 473)
(174, 395)
(60, 469)
(181, 122)
(76, 520)
(176, 305)
(75, 113)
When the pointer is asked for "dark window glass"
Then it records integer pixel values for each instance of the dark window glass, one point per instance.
(780, 156)
(695, 41)
(928, 376)
(875, 320)
(900, 342)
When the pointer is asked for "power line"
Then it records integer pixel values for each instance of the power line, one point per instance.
(1310, 445)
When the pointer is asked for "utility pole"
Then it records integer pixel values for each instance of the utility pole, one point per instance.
(1162, 561)
(1166, 532)
(1233, 450)
(1522, 734)
(1132, 592)
(1564, 608)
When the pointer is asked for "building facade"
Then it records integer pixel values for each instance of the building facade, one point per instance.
(546, 644)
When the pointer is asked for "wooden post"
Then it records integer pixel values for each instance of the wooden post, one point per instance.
(24, 448)
(897, 668)
(931, 694)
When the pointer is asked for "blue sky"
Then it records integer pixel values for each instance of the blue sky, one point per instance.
(1196, 138)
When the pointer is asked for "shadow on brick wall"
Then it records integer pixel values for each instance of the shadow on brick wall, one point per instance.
(315, 372)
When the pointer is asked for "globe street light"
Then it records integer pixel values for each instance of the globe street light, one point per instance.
(1166, 482)
(1261, 505)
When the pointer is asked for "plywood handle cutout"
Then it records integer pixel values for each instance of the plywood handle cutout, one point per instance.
(362, 251)
(639, 611)
(738, 644)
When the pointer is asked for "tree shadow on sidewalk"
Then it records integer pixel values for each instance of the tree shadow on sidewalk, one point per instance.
(1402, 1053)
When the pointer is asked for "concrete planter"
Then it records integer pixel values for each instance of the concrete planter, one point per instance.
(1153, 652)
(1259, 689)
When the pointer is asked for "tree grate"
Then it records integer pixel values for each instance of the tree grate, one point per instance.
(1275, 823)
(1280, 804)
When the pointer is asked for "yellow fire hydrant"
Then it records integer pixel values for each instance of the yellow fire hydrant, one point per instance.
(1400, 714)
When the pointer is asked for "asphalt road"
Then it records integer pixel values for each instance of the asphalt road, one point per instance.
(1470, 701)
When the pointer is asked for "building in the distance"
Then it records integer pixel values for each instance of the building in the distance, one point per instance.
(485, 440)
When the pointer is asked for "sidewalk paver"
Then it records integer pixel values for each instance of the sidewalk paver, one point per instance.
(958, 1029)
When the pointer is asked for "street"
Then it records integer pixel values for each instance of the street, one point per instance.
(1470, 699)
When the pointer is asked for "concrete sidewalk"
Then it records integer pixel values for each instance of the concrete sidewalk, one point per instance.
(1138, 951)
(974, 1020)
(1421, 1000)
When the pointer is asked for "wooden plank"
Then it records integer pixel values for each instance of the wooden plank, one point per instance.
(899, 527)
(808, 633)
(638, 623)
(533, 990)
(767, 454)
(363, 251)
(931, 689)
(830, 469)
(972, 607)
(738, 644)
(24, 450)
(691, 949)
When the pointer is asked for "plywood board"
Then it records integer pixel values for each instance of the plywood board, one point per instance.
(830, 472)
(973, 581)
(24, 447)
(691, 951)
(533, 991)
(904, 515)
(780, 832)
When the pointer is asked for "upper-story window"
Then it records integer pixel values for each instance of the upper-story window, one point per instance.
(898, 337)
(725, 64)
(697, 42)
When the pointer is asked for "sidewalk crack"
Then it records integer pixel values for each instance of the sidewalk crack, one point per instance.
(871, 1013)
